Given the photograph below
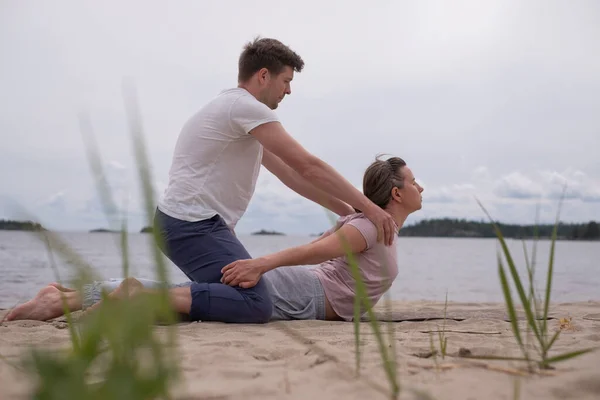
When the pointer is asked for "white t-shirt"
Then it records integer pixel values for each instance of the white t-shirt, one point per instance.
(216, 161)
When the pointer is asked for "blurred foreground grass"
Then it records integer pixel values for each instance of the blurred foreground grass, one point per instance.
(115, 351)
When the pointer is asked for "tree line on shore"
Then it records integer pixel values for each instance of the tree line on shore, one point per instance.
(441, 227)
(10, 225)
(449, 227)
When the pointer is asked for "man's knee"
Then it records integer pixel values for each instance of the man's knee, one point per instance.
(262, 310)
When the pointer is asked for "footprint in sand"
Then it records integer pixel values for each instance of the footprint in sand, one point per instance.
(594, 338)
(574, 390)
(235, 374)
(276, 355)
(592, 317)
(228, 343)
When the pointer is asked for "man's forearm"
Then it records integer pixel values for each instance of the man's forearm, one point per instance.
(311, 192)
(303, 187)
(327, 179)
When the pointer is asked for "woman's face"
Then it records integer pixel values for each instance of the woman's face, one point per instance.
(411, 192)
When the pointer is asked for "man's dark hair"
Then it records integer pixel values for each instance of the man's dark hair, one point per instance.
(267, 53)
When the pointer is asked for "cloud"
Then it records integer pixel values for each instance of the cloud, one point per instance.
(469, 94)
(571, 184)
(514, 197)
(56, 203)
(450, 194)
(481, 174)
(517, 186)
(592, 197)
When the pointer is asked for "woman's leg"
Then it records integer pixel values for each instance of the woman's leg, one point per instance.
(190, 298)
(296, 293)
(49, 303)
(92, 293)
(201, 250)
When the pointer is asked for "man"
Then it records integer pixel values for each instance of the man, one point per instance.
(215, 165)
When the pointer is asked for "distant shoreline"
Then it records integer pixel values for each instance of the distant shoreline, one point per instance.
(10, 225)
(432, 228)
(461, 228)
(264, 232)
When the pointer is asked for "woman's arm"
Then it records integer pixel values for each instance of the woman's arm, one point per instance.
(246, 273)
(337, 244)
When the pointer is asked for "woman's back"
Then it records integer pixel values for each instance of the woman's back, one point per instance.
(377, 264)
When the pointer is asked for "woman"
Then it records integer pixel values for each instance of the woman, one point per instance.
(325, 291)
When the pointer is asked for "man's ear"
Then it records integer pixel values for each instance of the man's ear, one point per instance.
(263, 75)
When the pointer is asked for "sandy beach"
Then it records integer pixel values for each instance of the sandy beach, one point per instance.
(315, 359)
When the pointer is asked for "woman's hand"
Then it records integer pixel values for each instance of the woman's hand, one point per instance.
(243, 273)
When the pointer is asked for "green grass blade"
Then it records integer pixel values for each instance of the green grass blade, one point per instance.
(391, 337)
(531, 295)
(432, 348)
(549, 282)
(164, 310)
(357, 333)
(361, 292)
(551, 266)
(144, 173)
(536, 238)
(496, 358)
(442, 339)
(95, 162)
(139, 147)
(117, 345)
(51, 260)
(531, 278)
(387, 282)
(389, 369)
(551, 342)
(510, 306)
(124, 245)
(357, 304)
(516, 279)
(517, 389)
(519, 286)
(125, 254)
(566, 356)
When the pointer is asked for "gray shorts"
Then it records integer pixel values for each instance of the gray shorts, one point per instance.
(92, 292)
(296, 293)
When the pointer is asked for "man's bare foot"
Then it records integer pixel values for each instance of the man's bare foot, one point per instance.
(61, 287)
(46, 305)
(128, 288)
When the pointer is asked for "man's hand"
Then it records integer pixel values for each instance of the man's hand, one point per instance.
(386, 226)
(243, 273)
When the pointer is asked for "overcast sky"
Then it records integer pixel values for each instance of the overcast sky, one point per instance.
(497, 100)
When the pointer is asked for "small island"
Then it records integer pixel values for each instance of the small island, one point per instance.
(102, 230)
(10, 225)
(265, 232)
